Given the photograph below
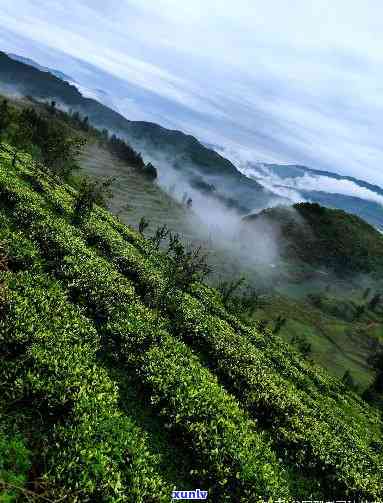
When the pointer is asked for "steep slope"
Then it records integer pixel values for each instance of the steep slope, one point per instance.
(250, 417)
(323, 237)
(179, 156)
(135, 196)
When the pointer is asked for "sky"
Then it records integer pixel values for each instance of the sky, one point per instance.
(290, 82)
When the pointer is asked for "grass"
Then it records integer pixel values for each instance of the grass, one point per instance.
(336, 344)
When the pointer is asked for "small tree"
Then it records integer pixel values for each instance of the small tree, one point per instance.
(349, 381)
(375, 301)
(91, 192)
(150, 171)
(142, 225)
(228, 289)
(301, 343)
(52, 107)
(5, 117)
(160, 235)
(359, 311)
(85, 123)
(279, 324)
(186, 264)
(262, 325)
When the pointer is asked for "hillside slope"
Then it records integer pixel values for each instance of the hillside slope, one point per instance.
(119, 372)
(181, 157)
(323, 237)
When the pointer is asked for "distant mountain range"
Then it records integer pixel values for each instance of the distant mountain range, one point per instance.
(185, 165)
(300, 183)
(31, 62)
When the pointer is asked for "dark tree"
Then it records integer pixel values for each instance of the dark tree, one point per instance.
(142, 225)
(279, 324)
(375, 301)
(5, 117)
(160, 235)
(348, 381)
(91, 192)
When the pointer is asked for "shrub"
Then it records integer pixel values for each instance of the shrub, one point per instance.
(90, 447)
(90, 192)
(15, 462)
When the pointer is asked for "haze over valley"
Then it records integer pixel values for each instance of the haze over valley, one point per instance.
(191, 251)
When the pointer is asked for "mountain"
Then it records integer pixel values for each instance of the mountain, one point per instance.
(300, 183)
(184, 163)
(124, 377)
(34, 64)
(187, 166)
(323, 237)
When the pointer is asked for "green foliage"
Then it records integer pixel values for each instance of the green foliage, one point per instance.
(324, 237)
(237, 299)
(16, 252)
(348, 381)
(256, 419)
(5, 117)
(302, 344)
(92, 446)
(58, 149)
(186, 264)
(143, 224)
(15, 462)
(160, 235)
(128, 329)
(375, 301)
(91, 192)
(215, 335)
(280, 323)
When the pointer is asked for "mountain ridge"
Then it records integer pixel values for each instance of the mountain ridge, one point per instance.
(185, 163)
(142, 135)
(31, 62)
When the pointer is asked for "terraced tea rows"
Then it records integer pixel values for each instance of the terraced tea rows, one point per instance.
(254, 420)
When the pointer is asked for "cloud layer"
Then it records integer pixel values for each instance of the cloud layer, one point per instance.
(275, 81)
(294, 187)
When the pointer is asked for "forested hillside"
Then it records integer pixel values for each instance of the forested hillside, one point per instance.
(182, 153)
(324, 237)
(124, 376)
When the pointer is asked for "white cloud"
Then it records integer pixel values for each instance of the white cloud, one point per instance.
(289, 81)
(293, 187)
(333, 186)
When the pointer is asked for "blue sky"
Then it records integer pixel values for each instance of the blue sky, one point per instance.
(295, 81)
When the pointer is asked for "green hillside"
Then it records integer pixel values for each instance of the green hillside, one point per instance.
(328, 316)
(324, 237)
(123, 376)
(184, 153)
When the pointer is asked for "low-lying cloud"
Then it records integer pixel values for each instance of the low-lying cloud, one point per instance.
(293, 187)
(296, 82)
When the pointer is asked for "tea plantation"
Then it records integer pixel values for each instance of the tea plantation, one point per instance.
(123, 377)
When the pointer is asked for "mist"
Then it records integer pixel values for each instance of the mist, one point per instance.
(310, 182)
